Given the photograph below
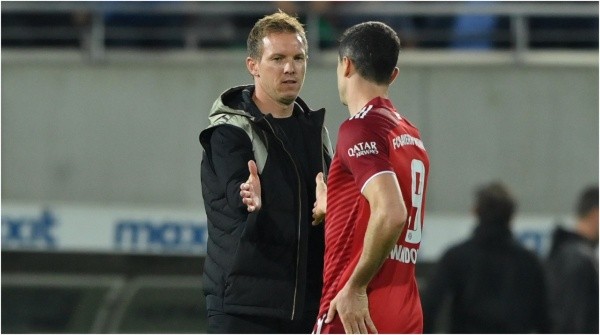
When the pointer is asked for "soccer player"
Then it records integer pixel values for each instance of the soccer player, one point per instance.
(374, 198)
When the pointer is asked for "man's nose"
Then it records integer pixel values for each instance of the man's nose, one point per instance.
(289, 67)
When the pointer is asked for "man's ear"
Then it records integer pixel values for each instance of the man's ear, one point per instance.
(347, 67)
(252, 66)
(394, 75)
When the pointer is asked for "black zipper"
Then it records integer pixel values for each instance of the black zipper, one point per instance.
(299, 217)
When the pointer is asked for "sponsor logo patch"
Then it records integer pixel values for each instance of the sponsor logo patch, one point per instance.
(363, 148)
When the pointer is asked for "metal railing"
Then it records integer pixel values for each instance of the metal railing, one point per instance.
(95, 28)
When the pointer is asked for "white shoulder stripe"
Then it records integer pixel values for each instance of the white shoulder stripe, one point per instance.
(371, 178)
(361, 114)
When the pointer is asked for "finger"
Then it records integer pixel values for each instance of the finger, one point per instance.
(362, 327)
(346, 326)
(319, 178)
(244, 186)
(253, 169)
(371, 325)
(348, 329)
(246, 194)
(321, 186)
(251, 208)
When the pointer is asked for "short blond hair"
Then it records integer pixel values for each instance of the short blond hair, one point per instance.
(279, 22)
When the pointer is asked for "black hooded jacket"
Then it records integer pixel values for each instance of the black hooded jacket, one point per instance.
(572, 272)
(268, 262)
(495, 285)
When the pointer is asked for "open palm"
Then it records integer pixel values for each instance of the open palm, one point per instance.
(250, 190)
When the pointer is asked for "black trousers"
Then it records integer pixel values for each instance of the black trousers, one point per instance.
(221, 323)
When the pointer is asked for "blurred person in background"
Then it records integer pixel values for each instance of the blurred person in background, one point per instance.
(572, 270)
(495, 285)
(474, 31)
(374, 198)
(332, 24)
(263, 148)
(323, 10)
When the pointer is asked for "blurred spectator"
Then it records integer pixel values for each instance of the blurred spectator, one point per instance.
(404, 25)
(495, 285)
(143, 29)
(328, 33)
(474, 31)
(572, 270)
(332, 24)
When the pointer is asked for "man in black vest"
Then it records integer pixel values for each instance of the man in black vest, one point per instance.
(264, 263)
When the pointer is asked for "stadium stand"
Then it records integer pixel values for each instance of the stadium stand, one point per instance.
(165, 25)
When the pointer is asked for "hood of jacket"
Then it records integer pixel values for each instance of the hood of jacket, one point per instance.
(234, 101)
(238, 101)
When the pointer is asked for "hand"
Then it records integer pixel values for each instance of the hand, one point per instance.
(352, 305)
(250, 190)
(320, 205)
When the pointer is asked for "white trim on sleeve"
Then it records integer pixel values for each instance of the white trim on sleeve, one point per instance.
(373, 176)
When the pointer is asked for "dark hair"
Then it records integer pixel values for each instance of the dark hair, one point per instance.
(374, 48)
(494, 204)
(588, 200)
(279, 22)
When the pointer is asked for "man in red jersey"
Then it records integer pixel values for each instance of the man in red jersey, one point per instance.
(374, 197)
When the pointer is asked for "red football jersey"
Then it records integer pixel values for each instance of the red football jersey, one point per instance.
(374, 141)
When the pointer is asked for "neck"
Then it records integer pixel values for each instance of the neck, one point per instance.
(266, 105)
(361, 92)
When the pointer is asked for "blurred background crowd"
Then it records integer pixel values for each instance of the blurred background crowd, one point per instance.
(197, 25)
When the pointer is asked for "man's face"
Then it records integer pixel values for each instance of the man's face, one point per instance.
(280, 71)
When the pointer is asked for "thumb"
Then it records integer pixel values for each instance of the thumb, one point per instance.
(331, 313)
(253, 169)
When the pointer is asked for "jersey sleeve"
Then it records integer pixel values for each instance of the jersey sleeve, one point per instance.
(364, 149)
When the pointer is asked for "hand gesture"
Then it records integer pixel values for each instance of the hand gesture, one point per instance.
(352, 305)
(250, 190)
(320, 205)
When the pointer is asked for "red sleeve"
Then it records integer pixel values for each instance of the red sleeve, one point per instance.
(363, 148)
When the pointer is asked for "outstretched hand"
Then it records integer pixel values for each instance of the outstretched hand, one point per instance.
(320, 205)
(250, 190)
